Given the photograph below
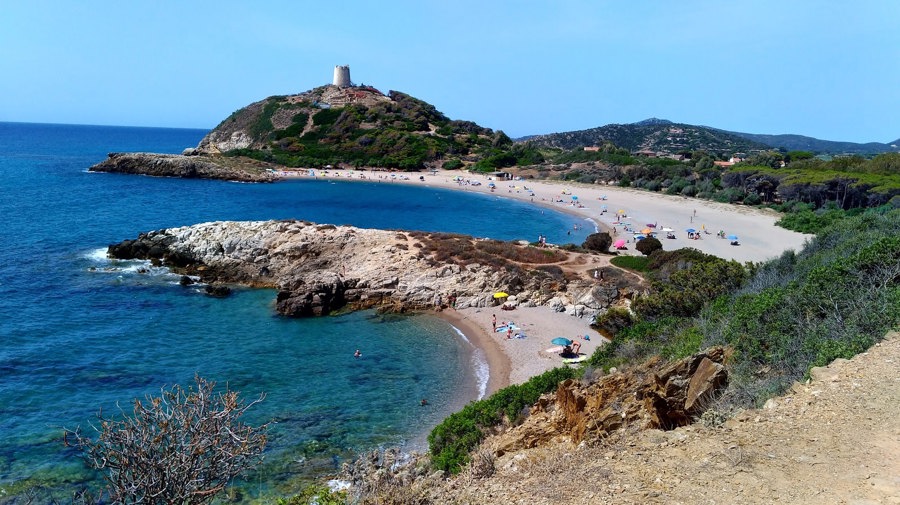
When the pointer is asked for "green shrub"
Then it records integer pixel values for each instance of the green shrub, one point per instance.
(453, 164)
(597, 242)
(614, 320)
(648, 245)
(451, 442)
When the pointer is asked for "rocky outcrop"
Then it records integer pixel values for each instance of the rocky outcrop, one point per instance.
(318, 269)
(655, 395)
(188, 167)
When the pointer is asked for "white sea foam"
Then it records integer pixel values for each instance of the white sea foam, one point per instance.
(102, 263)
(97, 255)
(479, 363)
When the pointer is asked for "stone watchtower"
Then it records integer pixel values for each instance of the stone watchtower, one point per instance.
(342, 76)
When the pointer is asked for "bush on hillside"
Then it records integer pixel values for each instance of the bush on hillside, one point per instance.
(648, 246)
(451, 442)
(598, 242)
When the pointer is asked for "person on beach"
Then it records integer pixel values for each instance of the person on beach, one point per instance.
(508, 332)
(494, 321)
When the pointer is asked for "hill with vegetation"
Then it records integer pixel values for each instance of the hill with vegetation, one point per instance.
(356, 126)
(666, 137)
(654, 135)
(817, 146)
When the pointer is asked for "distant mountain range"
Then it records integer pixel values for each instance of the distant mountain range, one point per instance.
(664, 136)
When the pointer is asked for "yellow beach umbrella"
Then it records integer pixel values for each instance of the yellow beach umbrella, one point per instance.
(500, 294)
(646, 231)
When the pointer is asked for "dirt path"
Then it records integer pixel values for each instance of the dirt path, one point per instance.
(834, 440)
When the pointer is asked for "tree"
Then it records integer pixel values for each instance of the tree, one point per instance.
(648, 245)
(597, 242)
(182, 447)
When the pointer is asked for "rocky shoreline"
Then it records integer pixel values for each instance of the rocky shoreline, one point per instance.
(187, 167)
(320, 269)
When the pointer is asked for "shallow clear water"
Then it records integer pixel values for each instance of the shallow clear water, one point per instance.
(79, 332)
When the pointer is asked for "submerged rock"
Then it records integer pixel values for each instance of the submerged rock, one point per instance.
(218, 291)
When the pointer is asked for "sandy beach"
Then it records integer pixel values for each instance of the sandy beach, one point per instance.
(757, 234)
(515, 360)
(611, 208)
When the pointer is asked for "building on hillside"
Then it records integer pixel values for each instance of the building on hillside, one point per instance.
(592, 148)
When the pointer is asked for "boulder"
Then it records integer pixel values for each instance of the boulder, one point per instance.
(218, 291)
(655, 395)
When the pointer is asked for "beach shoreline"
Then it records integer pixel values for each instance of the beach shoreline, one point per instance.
(609, 208)
(525, 354)
(759, 238)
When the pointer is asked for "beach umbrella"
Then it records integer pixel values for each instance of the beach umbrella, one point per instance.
(651, 225)
(620, 211)
(667, 229)
(500, 294)
(639, 237)
(619, 244)
(732, 237)
(561, 341)
(691, 230)
(646, 231)
(574, 197)
(603, 206)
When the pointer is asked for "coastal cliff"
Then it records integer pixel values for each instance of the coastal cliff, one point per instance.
(319, 269)
(188, 167)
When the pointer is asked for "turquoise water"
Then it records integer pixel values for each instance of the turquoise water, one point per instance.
(79, 332)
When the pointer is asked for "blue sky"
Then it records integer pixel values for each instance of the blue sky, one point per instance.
(827, 69)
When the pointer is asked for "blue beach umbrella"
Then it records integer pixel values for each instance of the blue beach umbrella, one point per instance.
(574, 197)
(561, 341)
(639, 237)
(691, 230)
(732, 237)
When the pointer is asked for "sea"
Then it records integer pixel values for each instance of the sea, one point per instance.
(82, 334)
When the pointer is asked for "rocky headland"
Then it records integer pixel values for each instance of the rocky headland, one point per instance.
(187, 166)
(319, 269)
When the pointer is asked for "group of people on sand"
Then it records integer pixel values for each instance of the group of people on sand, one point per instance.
(509, 327)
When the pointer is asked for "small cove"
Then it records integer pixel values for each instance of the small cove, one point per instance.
(80, 332)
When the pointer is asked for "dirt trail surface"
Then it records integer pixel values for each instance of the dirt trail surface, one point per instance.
(834, 440)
